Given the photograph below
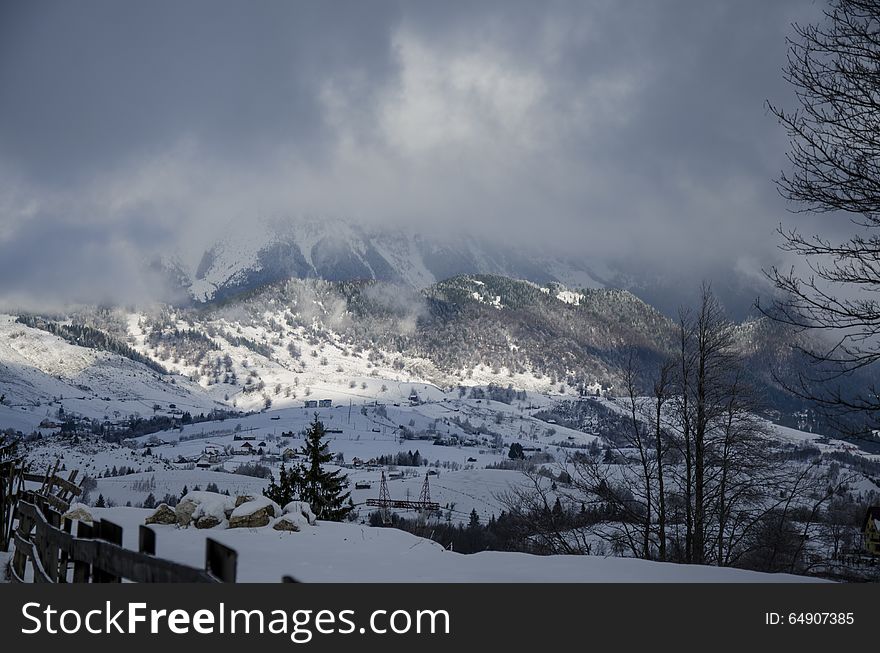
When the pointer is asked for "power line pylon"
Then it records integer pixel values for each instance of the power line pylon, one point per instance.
(425, 501)
(425, 496)
(384, 500)
(424, 506)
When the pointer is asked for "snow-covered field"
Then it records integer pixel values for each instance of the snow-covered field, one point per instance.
(461, 478)
(40, 372)
(332, 552)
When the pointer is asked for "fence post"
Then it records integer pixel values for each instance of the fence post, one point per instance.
(67, 525)
(19, 559)
(146, 540)
(81, 569)
(108, 532)
(221, 561)
(48, 550)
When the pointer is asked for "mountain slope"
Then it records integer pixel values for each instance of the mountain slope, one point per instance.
(336, 250)
(368, 340)
(41, 373)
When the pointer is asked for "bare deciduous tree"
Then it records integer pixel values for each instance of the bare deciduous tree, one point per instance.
(692, 475)
(834, 154)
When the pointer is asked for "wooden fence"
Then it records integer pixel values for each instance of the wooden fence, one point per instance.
(11, 483)
(95, 554)
(45, 549)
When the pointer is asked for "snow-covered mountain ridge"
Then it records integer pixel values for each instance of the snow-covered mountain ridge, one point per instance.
(337, 250)
(289, 340)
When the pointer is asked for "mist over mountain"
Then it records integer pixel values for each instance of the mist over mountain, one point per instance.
(339, 250)
(572, 142)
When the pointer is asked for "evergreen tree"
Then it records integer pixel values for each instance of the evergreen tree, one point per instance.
(100, 503)
(325, 491)
(474, 521)
(473, 536)
(289, 487)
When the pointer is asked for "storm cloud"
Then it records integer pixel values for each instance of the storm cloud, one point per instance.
(634, 134)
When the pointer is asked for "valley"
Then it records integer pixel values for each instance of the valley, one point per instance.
(481, 384)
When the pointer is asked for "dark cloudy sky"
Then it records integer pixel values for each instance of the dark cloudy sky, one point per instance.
(633, 132)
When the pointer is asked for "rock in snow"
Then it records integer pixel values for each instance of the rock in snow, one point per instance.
(209, 507)
(81, 512)
(162, 515)
(255, 513)
(301, 508)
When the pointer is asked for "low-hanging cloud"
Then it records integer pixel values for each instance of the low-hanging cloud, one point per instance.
(633, 134)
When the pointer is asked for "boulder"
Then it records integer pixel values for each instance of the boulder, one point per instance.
(162, 515)
(301, 508)
(292, 523)
(242, 498)
(81, 512)
(257, 519)
(196, 505)
(255, 513)
(184, 512)
(207, 521)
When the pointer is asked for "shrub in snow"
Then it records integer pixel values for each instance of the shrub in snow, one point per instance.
(162, 515)
(255, 513)
(301, 508)
(81, 512)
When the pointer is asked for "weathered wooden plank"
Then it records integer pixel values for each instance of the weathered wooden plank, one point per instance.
(146, 540)
(25, 525)
(27, 548)
(112, 533)
(63, 492)
(82, 570)
(67, 527)
(220, 561)
(49, 557)
(137, 566)
(14, 576)
(50, 472)
(72, 488)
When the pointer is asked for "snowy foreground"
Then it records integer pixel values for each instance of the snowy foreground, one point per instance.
(331, 552)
